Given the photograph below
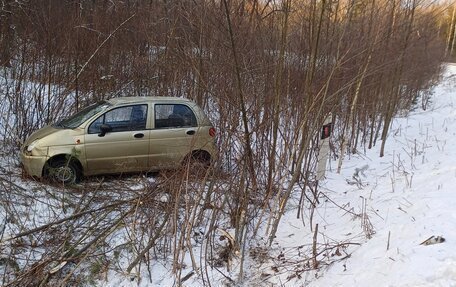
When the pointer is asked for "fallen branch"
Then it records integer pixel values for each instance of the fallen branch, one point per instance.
(74, 216)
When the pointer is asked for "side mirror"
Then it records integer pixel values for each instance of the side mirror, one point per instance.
(104, 129)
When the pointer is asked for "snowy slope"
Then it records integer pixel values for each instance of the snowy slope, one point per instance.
(410, 195)
(371, 226)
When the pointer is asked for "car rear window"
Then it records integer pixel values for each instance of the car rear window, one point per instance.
(174, 116)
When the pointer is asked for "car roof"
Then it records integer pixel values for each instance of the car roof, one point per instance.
(130, 100)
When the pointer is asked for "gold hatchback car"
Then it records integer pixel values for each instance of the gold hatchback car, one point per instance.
(128, 134)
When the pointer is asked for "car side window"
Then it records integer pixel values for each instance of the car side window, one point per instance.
(129, 118)
(174, 116)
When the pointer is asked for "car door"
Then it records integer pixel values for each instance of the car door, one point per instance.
(125, 148)
(173, 135)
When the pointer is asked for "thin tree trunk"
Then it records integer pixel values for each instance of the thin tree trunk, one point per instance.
(277, 96)
(305, 141)
(396, 90)
(451, 32)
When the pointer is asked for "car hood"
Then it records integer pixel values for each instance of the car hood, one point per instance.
(51, 136)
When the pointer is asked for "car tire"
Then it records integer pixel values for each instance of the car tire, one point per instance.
(64, 171)
(197, 161)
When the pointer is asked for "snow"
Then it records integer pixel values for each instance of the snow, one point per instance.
(372, 218)
(409, 195)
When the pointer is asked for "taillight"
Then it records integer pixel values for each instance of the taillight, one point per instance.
(212, 132)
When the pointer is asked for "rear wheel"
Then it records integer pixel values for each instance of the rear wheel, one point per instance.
(64, 171)
(198, 161)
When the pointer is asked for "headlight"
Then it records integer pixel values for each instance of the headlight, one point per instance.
(31, 146)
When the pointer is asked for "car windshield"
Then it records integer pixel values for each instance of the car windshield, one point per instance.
(76, 120)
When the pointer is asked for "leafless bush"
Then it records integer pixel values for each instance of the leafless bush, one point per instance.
(267, 72)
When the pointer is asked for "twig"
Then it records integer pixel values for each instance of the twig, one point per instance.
(101, 45)
(388, 244)
(149, 245)
(314, 247)
(74, 216)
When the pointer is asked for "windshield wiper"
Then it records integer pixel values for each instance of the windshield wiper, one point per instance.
(59, 124)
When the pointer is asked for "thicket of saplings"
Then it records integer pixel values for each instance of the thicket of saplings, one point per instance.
(268, 73)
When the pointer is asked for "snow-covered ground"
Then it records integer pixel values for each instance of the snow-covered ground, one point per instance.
(390, 209)
(372, 218)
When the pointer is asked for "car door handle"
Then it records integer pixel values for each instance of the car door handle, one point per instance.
(191, 132)
(139, 135)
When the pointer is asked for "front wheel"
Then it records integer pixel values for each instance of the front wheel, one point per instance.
(64, 171)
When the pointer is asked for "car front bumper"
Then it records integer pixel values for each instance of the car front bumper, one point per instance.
(33, 164)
